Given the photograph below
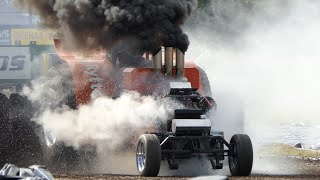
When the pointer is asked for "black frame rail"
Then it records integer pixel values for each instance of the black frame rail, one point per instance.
(172, 138)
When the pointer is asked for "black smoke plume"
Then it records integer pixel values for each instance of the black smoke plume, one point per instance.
(143, 25)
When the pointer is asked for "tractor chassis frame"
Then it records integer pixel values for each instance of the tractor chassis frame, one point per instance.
(175, 147)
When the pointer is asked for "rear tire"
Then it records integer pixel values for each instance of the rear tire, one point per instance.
(240, 155)
(25, 145)
(4, 108)
(59, 156)
(4, 129)
(148, 155)
(19, 139)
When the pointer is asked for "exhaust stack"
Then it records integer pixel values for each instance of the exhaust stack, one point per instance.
(168, 67)
(179, 63)
(157, 60)
(168, 61)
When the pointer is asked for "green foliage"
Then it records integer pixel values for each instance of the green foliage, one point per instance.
(285, 150)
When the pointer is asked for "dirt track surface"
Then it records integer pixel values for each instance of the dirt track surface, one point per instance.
(274, 177)
(114, 177)
(279, 168)
(103, 177)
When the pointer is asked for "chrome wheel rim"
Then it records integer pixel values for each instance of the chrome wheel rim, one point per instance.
(141, 158)
(233, 159)
(49, 138)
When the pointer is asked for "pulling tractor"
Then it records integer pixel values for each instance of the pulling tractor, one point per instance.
(188, 133)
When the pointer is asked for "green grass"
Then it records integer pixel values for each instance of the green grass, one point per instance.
(285, 150)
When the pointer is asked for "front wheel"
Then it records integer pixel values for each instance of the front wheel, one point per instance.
(148, 155)
(240, 155)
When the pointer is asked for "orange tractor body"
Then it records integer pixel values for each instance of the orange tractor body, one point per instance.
(95, 71)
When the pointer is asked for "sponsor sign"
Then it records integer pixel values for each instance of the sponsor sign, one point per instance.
(15, 63)
(25, 36)
(5, 36)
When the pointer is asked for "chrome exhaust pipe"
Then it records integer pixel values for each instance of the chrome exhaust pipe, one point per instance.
(168, 61)
(180, 63)
(168, 67)
(157, 60)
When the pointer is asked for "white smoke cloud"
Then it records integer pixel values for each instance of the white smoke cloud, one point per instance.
(104, 120)
(271, 65)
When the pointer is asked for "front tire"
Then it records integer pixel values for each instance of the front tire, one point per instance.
(240, 155)
(148, 155)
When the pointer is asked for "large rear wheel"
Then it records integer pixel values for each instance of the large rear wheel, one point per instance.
(19, 139)
(4, 129)
(26, 146)
(58, 155)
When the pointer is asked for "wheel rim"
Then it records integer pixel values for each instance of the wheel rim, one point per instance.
(233, 158)
(141, 160)
(49, 138)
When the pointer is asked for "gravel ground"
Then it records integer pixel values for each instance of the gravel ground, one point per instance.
(103, 177)
(111, 177)
(264, 168)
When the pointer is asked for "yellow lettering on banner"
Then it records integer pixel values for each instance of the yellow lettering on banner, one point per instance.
(25, 36)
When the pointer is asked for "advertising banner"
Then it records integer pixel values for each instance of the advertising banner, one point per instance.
(15, 63)
(5, 36)
(25, 36)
